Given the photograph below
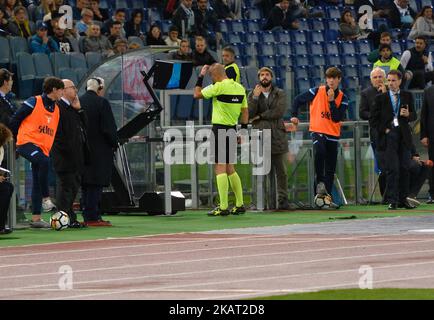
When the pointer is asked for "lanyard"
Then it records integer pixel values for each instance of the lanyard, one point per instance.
(395, 105)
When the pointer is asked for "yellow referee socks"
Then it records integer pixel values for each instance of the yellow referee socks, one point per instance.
(235, 181)
(223, 188)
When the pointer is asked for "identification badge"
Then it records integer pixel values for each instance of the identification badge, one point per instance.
(395, 122)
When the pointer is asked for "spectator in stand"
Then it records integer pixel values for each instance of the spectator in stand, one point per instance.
(223, 10)
(46, 7)
(172, 39)
(424, 24)
(201, 56)
(280, 18)
(206, 19)
(183, 53)
(184, 18)
(7, 108)
(418, 65)
(4, 23)
(120, 46)
(387, 61)
(349, 28)
(73, 36)
(62, 41)
(377, 8)
(19, 25)
(385, 38)
(52, 21)
(79, 6)
(118, 16)
(154, 37)
(99, 14)
(400, 14)
(95, 42)
(133, 27)
(9, 6)
(85, 22)
(41, 42)
(231, 67)
(115, 32)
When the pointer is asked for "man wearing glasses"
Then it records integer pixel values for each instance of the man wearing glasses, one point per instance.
(69, 151)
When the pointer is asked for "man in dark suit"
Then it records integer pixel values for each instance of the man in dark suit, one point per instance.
(400, 14)
(427, 132)
(69, 149)
(7, 109)
(367, 100)
(102, 141)
(390, 116)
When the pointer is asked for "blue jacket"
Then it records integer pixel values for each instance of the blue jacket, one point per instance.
(36, 45)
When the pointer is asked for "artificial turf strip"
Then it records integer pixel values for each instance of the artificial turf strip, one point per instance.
(359, 294)
(196, 221)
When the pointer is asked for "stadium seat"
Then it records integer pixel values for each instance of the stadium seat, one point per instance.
(316, 82)
(154, 15)
(59, 60)
(17, 44)
(331, 35)
(334, 60)
(332, 24)
(303, 85)
(252, 37)
(251, 49)
(68, 73)
(304, 24)
(347, 47)
(266, 48)
(350, 82)
(318, 60)
(350, 71)
(78, 60)
(363, 58)
(378, 22)
(81, 73)
(266, 61)
(239, 48)
(300, 48)
(317, 24)
(396, 46)
(224, 26)
(299, 36)
(4, 53)
(138, 4)
(237, 26)
(165, 26)
(266, 36)
(184, 107)
(42, 65)
(283, 48)
(253, 25)
(315, 71)
(301, 72)
(254, 13)
(364, 47)
(316, 35)
(316, 48)
(93, 58)
(282, 36)
(282, 60)
(349, 59)
(301, 60)
(121, 4)
(26, 74)
(333, 12)
(332, 47)
(365, 70)
(252, 76)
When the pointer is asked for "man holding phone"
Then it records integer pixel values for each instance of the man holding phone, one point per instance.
(69, 151)
(390, 116)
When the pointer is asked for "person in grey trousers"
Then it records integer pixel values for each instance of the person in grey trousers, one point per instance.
(267, 106)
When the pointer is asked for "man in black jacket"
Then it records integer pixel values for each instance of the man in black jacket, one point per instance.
(400, 14)
(281, 17)
(68, 152)
(7, 109)
(367, 100)
(390, 116)
(201, 55)
(102, 141)
(184, 19)
(427, 132)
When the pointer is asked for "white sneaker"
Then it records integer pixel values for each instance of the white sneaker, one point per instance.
(413, 201)
(48, 205)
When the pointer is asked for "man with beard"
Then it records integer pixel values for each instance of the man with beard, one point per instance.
(61, 40)
(267, 105)
(327, 108)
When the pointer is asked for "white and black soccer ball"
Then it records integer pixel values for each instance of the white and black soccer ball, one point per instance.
(322, 201)
(59, 220)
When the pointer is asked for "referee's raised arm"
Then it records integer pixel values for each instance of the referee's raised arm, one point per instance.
(198, 88)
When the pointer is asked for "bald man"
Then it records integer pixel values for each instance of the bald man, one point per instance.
(229, 102)
(69, 150)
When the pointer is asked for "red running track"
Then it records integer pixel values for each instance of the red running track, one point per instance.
(210, 266)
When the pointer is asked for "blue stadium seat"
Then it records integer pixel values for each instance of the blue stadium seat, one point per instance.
(4, 53)
(352, 96)
(395, 33)
(165, 26)
(42, 65)
(331, 35)
(289, 60)
(301, 72)
(103, 4)
(68, 73)
(317, 24)
(266, 49)
(301, 60)
(267, 61)
(364, 46)
(121, 4)
(334, 60)
(93, 58)
(266, 36)
(59, 60)
(239, 48)
(26, 74)
(348, 59)
(224, 26)
(299, 36)
(318, 60)
(317, 35)
(350, 71)
(251, 76)
(365, 70)
(303, 24)
(236, 37)
(331, 47)
(284, 48)
(347, 47)
(363, 58)
(365, 82)
(252, 37)
(396, 46)
(315, 71)
(333, 12)
(237, 26)
(332, 24)
(350, 82)
(254, 13)
(17, 44)
(138, 4)
(253, 25)
(316, 48)
(81, 73)
(303, 84)
(300, 48)
(282, 60)
(154, 15)
(378, 22)
(282, 36)
(316, 82)
(78, 60)
(184, 107)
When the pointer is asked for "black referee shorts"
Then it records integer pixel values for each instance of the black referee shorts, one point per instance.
(224, 144)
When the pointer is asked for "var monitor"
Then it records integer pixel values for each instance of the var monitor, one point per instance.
(172, 74)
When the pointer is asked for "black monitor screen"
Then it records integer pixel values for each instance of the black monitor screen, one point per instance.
(172, 74)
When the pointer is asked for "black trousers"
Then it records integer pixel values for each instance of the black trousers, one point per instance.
(418, 175)
(68, 184)
(420, 79)
(91, 198)
(325, 154)
(431, 170)
(6, 191)
(398, 159)
(379, 157)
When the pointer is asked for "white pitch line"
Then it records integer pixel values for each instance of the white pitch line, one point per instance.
(209, 259)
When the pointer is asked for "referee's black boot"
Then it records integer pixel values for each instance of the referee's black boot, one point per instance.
(218, 212)
(238, 210)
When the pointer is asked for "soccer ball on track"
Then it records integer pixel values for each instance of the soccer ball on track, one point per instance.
(59, 220)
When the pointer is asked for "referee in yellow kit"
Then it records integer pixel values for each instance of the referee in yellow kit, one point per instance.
(229, 102)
